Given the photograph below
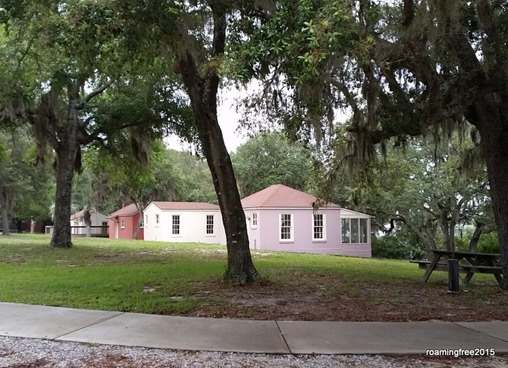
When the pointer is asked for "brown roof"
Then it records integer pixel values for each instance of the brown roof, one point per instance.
(281, 196)
(128, 210)
(196, 206)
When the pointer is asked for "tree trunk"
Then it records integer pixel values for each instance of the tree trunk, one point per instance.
(493, 129)
(240, 267)
(139, 208)
(62, 226)
(476, 236)
(4, 205)
(87, 218)
(447, 239)
(33, 223)
(202, 92)
(66, 152)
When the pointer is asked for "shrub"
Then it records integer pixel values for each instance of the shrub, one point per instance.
(394, 247)
(488, 243)
(461, 244)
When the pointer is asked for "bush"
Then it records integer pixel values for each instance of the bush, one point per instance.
(489, 243)
(393, 247)
(461, 244)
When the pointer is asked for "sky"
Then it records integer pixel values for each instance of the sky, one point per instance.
(228, 120)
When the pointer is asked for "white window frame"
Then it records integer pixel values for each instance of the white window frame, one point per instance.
(157, 219)
(291, 227)
(212, 224)
(146, 220)
(173, 224)
(122, 224)
(254, 223)
(323, 225)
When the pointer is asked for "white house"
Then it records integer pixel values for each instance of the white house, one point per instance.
(194, 222)
(97, 219)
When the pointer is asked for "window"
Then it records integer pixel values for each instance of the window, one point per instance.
(286, 226)
(122, 224)
(175, 224)
(254, 220)
(209, 225)
(346, 235)
(157, 219)
(146, 219)
(318, 226)
(354, 230)
(363, 231)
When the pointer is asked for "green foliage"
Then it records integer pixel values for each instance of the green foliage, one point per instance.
(462, 244)
(111, 179)
(419, 188)
(197, 185)
(488, 243)
(270, 158)
(393, 247)
(27, 187)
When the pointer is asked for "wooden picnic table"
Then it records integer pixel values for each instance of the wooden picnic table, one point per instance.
(472, 263)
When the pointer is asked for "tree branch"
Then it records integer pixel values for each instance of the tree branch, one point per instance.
(95, 92)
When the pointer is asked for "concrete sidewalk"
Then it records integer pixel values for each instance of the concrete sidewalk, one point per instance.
(246, 336)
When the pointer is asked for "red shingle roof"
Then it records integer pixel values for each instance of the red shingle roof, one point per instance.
(128, 210)
(196, 206)
(281, 196)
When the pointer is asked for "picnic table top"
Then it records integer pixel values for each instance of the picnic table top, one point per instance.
(464, 254)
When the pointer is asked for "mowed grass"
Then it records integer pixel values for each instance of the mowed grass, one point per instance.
(133, 276)
(186, 279)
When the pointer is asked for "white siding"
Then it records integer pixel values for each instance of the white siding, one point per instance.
(97, 220)
(192, 226)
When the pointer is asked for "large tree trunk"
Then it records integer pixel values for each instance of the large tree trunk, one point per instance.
(202, 91)
(493, 128)
(66, 151)
(240, 267)
(4, 206)
(62, 226)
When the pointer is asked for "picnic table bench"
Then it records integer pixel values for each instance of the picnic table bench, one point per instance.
(474, 263)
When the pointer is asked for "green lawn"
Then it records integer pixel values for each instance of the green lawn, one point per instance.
(168, 278)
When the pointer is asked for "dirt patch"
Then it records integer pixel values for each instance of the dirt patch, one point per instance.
(266, 301)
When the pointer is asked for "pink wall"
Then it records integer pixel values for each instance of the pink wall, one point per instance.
(269, 224)
(128, 231)
(266, 236)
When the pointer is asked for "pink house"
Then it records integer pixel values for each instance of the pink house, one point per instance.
(123, 222)
(284, 219)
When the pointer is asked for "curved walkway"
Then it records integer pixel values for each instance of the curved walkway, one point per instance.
(246, 336)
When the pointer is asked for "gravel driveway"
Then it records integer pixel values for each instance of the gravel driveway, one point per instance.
(33, 353)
